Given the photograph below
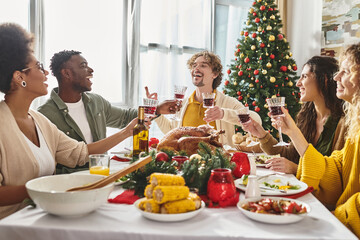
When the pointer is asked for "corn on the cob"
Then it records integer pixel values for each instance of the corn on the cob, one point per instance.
(196, 199)
(149, 191)
(162, 194)
(149, 205)
(164, 179)
(141, 204)
(180, 206)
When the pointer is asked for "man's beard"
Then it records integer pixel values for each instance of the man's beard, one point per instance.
(199, 84)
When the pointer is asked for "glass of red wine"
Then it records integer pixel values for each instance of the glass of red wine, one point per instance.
(244, 117)
(275, 105)
(179, 92)
(208, 102)
(150, 107)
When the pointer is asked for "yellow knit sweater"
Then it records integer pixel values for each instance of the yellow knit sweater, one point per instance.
(336, 181)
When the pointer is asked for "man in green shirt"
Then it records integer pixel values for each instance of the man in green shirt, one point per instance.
(79, 114)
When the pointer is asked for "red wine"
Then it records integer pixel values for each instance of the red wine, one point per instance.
(150, 110)
(208, 102)
(244, 117)
(179, 96)
(276, 110)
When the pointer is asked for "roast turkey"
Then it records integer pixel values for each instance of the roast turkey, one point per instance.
(188, 138)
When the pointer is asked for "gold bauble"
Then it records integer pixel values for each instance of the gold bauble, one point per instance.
(284, 39)
(264, 18)
(290, 84)
(251, 10)
(253, 47)
(251, 85)
(268, 45)
(264, 71)
(258, 38)
(242, 33)
(267, 53)
(272, 79)
(248, 95)
(235, 83)
(287, 56)
(259, 0)
(242, 55)
(271, 38)
(289, 67)
(265, 4)
(268, 65)
(268, 28)
(248, 22)
(290, 54)
(272, 17)
(259, 29)
(266, 106)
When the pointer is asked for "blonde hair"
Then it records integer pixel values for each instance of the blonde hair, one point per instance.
(352, 109)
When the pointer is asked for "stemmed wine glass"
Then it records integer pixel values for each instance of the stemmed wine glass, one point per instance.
(208, 102)
(150, 107)
(244, 117)
(275, 105)
(179, 92)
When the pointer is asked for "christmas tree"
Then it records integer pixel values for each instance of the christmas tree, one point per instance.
(263, 67)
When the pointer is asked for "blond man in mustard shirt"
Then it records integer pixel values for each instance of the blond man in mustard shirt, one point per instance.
(206, 72)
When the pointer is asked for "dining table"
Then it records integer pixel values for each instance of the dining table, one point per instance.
(125, 221)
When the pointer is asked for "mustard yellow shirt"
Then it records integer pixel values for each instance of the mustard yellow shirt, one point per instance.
(194, 114)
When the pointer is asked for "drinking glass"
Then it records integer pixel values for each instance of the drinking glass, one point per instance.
(244, 117)
(208, 102)
(150, 107)
(179, 92)
(275, 105)
(221, 185)
(99, 164)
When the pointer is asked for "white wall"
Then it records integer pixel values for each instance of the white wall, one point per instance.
(304, 29)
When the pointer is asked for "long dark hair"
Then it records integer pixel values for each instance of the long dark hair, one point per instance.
(324, 69)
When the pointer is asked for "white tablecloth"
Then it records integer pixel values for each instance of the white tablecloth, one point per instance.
(121, 221)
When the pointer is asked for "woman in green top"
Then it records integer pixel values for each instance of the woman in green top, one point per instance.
(319, 119)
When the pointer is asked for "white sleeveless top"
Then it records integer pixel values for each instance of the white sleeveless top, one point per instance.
(42, 155)
(78, 114)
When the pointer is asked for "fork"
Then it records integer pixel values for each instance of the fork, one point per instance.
(276, 173)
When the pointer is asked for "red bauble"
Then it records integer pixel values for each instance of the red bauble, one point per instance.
(262, 45)
(153, 142)
(246, 34)
(260, 58)
(280, 36)
(235, 59)
(262, 8)
(256, 72)
(270, 9)
(276, 85)
(162, 157)
(254, 103)
(228, 71)
(238, 93)
(246, 60)
(278, 94)
(272, 56)
(283, 68)
(254, 3)
(257, 80)
(240, 98)
(254, 14)
(261, 86)
(286, 78)
(238, 46)
(246, 105)
(240, 66)
(257, 20)
(257, 109)
(249, 75)
(238, 50)
(293, 93)
(226, 82)
(294, 67)
(254, 35)
(240, 73)
(242, 164)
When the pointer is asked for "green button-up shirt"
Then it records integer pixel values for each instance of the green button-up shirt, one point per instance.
(99, 113)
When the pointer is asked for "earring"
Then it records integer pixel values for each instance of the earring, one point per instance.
(23, 83)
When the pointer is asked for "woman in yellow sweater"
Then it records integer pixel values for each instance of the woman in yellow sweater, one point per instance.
(336, 179)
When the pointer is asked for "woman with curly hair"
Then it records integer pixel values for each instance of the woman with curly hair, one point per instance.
(336, 179)
(30, 145)
(320, 118)
(206, 73)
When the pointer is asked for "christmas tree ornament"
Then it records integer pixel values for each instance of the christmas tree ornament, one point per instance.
(290, 84)
(253, 47)
(289, 67)
(256, 72)
(258, 38)
(254, 35)
(283, 68)
(261, 86)
(270, 9)
(262, 45)
(257, 20)
(226, 82)
(267, 53)
(265, 3)
(266, 106)
(264, 72)
(259, 0)
(262, 8)
(272, 79)
(242, 33)
(273, 96)
(246, 60)
(264, 18)
(276, 86)
(260, 58)
(240, 98)
(287, 56)
(228, 71)
(294, 67)
(242, 55)
(240, 73)
(252, 78)
(246, 34)
(248, 94)
(254, 3)
(238, 50)
(259, 29)
(257, 109)
(272, 17)
(248, 22)
(268, 65)
(254, 103)
(268, 46)
(284, 39)
(280, 36)
(272, 56)
(257, 80)
(251, 10)
(235, 83)
(269, 28)
(290, 54)
(274, 23)
(238, 93)
(254, 14)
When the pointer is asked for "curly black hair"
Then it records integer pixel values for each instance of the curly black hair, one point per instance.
(214, 62)
(59, 59)
(16, 47)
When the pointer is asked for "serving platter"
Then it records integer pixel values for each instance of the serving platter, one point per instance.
(285, 218)
(280, 180)
(169, 217)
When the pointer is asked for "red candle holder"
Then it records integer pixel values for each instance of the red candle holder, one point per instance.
(221, 187)
(180, 160)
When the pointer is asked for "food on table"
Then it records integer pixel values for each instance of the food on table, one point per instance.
(188, 138)
(261, 159)
(242, 164)
(245, 140)
(162, 194)
(277, 207)
(287, 186)
(237, 138)
(171, 198)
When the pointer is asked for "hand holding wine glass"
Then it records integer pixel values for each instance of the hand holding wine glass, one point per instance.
(179, 92)
(276, 113)
(208, 102)
(244, 117)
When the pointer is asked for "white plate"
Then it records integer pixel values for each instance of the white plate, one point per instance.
(272, 218)
(169, 217)
(275, 192)
(262, 155)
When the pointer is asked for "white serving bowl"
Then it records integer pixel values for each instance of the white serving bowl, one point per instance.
(49, 193)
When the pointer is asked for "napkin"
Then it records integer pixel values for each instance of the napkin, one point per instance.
(120, 159)
(300, 194)
(222, 204)
(126, 197)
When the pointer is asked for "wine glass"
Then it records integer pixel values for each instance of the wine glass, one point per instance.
(179, 92)
(244, 117)
(275, 105)
(150, 107)
(208, 102)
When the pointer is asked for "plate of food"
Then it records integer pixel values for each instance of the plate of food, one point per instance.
(273, 185)
(274, 210)
(146, 208)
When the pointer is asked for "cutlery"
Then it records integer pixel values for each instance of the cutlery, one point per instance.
(276, 173)
(273, 189)
(113, 177)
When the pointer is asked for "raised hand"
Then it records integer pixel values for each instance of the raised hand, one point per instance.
(281, 164)
(150, 95)
(214, 113)
(286, 122)
(168, 107)
(254, 128)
